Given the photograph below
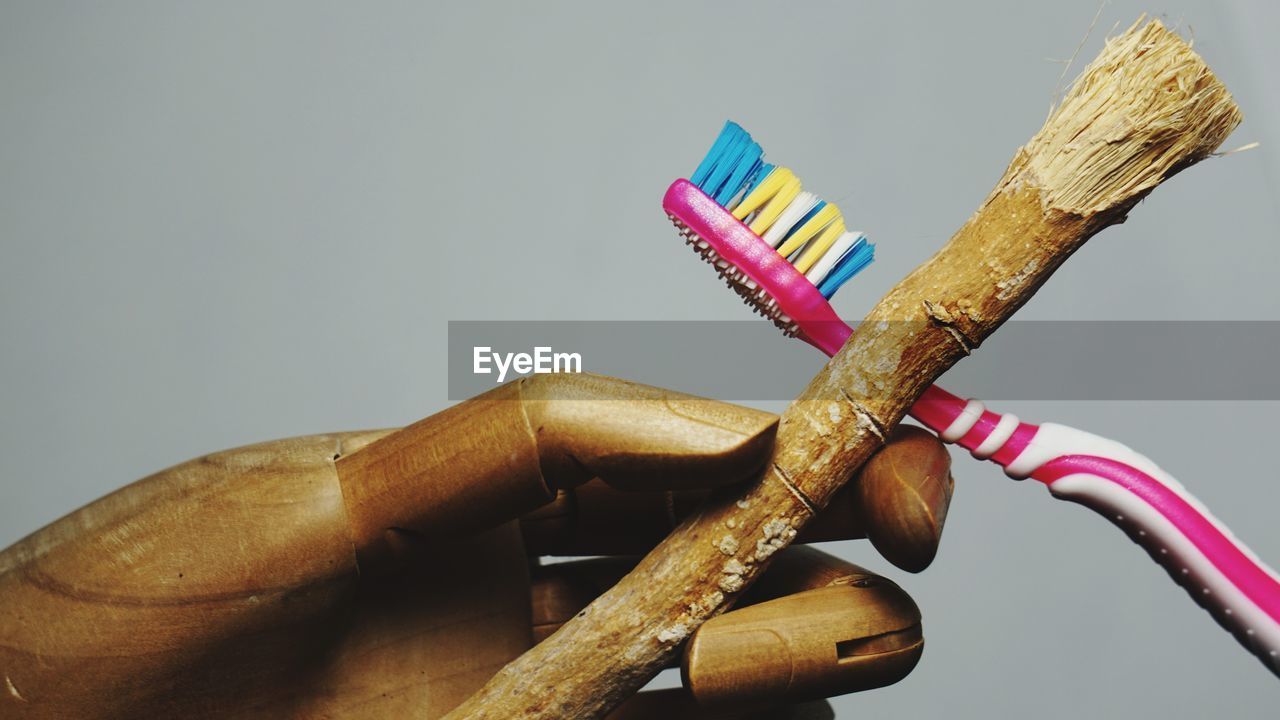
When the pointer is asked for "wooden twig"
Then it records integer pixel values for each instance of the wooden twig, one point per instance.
(1143, 110)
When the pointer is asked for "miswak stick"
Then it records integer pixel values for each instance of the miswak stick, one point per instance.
(1145, 109)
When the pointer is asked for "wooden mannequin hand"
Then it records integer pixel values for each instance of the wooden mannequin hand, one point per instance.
(383, 574)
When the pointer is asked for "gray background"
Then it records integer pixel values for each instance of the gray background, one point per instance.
(232, 222)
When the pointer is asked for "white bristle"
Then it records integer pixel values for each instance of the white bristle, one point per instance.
(819, 271)
(798, 208)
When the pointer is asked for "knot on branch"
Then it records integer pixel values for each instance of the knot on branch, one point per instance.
(944, 318)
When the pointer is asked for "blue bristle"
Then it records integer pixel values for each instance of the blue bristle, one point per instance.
(724, 163)
(733, 163)
(727, 135)
(857, 257)
(729, 166)
(738, 177)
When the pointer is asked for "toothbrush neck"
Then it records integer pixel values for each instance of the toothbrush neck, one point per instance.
(967, 423)
(987, 435)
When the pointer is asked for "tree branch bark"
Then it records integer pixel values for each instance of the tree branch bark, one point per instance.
(1146, 108)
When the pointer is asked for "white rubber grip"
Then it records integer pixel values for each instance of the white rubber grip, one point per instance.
(1179, 532)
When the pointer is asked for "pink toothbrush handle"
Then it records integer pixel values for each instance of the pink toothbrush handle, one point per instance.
(1131, 491)
(1157, 512)
(1198, 551)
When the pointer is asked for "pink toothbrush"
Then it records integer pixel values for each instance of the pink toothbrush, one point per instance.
(1197, 550)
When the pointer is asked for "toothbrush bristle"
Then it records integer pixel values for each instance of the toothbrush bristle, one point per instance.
(806, 230)
(754, 296)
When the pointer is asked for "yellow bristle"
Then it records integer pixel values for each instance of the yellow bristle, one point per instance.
(820, 220)
(770, 212)
(767, 188)
(820, 246)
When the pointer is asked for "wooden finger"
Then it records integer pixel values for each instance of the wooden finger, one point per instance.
(904, 491)
(499, 455)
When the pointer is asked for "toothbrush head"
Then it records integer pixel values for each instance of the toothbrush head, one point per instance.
(783, 250)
